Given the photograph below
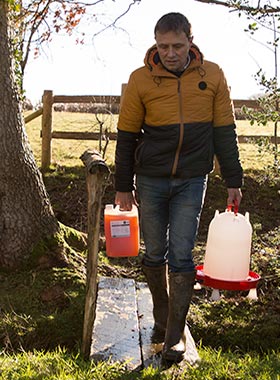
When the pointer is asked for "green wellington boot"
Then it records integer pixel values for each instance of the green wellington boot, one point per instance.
(157, 282)
(180, 294)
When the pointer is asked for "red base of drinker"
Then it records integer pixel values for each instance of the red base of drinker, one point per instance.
(250, 282)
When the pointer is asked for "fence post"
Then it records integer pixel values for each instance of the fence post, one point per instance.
(124, 85)
(97, 173)
(46, 130)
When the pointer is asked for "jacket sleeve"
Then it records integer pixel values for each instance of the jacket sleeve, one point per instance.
(132, 110)
(130, 122)
(226, 150)
(124, 161)
(225, 138)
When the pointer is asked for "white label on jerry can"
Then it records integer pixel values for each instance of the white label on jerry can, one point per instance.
(120, 228)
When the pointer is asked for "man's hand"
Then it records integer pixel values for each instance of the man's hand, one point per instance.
(125, 200)
(234, 197)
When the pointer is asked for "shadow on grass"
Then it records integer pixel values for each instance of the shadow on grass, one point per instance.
(237, 324)
(41, 309)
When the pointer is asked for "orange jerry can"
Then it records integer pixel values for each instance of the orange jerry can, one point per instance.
(121, 231)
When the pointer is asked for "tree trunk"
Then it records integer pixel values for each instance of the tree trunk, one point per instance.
(26, 215)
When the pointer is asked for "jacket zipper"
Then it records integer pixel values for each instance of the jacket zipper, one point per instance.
(181, 133)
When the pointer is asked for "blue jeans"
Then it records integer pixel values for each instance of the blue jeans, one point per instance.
(170, 210)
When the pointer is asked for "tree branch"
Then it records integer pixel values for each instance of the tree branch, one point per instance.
(115, 21)
(266, 9)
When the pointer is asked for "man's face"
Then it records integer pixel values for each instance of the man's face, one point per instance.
(173, 49)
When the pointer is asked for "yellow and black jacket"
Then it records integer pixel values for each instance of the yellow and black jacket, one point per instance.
(171, 126)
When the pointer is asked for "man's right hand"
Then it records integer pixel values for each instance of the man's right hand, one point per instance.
(125, 200)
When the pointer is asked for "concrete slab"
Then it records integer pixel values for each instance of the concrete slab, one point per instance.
(151, 352)
(115, 334)
(123, 326)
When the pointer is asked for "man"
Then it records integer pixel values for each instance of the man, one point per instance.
(176, 114)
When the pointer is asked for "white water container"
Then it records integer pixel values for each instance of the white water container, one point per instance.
(228, 247)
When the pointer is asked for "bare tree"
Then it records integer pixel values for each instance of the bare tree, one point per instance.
(37, 20)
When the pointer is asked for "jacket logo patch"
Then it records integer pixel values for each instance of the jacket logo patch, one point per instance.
(202, 85)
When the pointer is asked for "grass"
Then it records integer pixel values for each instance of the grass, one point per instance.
(41, 308)
(61, 365)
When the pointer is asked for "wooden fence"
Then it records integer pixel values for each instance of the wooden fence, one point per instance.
(46, 111)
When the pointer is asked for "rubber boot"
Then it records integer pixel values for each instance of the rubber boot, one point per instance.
(180, 294)
(157, 282)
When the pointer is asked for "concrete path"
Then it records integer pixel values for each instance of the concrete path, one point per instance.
(123, 325)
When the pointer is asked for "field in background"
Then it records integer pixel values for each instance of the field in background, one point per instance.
(67, 152)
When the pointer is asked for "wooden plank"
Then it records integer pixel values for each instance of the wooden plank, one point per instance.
(254, 138)
(33, 115)
(250, 103)
(151, 352)
(67, 135)
(116, 332)
(97, 172)
(116, 99)
(94, 99)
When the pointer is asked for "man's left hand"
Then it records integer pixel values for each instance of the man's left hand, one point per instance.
(234, 197)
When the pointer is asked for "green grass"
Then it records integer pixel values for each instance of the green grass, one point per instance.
(41, 308)
(215, 364)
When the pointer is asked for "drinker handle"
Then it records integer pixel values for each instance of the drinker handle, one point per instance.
(235, 207)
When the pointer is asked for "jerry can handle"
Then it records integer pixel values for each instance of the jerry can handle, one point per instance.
(234, 206)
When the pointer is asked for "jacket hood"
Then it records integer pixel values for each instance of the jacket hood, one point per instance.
(152, 60)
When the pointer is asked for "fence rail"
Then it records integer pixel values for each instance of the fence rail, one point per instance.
(47, 134)
(99, 99)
